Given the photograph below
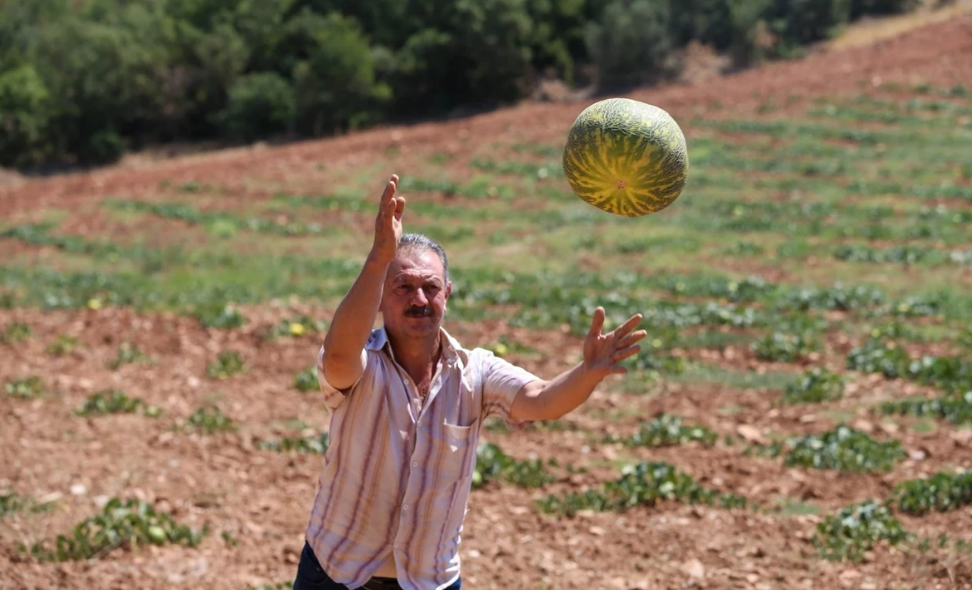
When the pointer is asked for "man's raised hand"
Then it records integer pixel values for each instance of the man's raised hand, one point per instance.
(388, 223)
(603, 352)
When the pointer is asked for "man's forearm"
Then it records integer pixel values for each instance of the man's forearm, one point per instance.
(559, 396)
(355, 316)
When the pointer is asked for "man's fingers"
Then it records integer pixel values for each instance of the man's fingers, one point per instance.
(399, 207)
(388, 212)
(624, 353)
(597, 322)
(389, 192)
(623, 330)
(632, 338)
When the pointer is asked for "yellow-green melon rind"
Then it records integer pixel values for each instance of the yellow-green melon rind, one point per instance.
(626, 157)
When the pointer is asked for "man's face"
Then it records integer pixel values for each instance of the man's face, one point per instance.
(413, 301)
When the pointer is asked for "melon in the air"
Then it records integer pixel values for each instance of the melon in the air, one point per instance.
(626, 157)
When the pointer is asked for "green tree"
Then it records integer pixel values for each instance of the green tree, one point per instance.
(101, 80)
(630, 42)
(493, 37)
(24, 117)
(336, 87)
(259, 105)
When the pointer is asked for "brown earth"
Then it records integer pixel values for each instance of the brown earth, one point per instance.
(261, 499)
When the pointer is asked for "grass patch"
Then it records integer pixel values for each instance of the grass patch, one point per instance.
(700, 373)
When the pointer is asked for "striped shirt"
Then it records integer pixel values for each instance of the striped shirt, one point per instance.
(396, 478)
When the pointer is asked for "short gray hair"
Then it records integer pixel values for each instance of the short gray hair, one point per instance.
(424, 243)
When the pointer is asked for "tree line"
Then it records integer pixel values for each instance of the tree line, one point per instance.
(82, 81)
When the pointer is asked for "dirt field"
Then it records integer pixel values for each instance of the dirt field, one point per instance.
(255, 503)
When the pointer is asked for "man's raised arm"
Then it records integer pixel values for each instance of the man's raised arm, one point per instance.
(344, 359)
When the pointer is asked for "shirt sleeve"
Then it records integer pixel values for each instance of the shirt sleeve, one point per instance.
(334, 397)
(501, 382)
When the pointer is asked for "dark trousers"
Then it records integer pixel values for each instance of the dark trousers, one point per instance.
(311, 576)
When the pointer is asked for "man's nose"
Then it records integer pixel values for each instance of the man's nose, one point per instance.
(419, 298)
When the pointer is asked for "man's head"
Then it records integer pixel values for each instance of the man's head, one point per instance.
(416, 289)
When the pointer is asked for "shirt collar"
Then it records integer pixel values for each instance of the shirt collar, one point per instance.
(452, 351)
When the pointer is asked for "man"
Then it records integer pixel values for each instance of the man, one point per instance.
(408, 406)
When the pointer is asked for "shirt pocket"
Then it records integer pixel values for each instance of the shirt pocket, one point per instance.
(456, 446)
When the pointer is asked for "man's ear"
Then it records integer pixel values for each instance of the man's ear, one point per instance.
(448, 290)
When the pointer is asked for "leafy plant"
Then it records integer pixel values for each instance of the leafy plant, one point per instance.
(953, 374)
(941, 492)
(210, 419)
(846, 535)
(643, 483)
(228, 363)
(305, 444)
(298, 326)
(127, 524)
(816, 386)
(219, 315)
(493, 464)
(25, 388)
(128, 353)
(956, 409)
(11, 502)
(843, 449)
(876, 356)
(668, 430)
(62, 346)
(306, 380)
(14, 333)
(114, 402)
(786, 346)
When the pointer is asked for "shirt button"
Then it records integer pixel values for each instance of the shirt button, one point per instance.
(404, 506)
(414, 463)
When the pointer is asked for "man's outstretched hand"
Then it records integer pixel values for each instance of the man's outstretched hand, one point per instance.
(603, 352)
(388, 223)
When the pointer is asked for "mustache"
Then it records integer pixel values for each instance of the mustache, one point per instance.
(419, 312)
